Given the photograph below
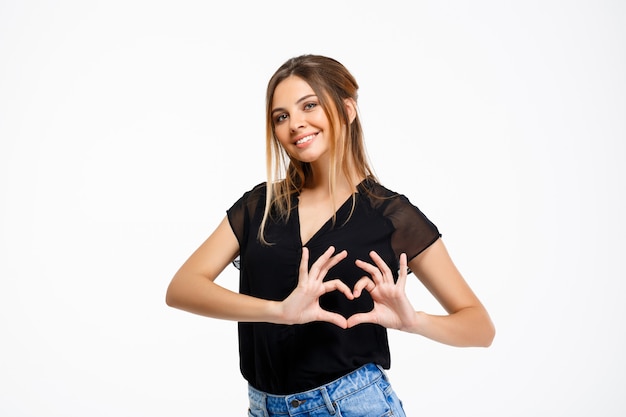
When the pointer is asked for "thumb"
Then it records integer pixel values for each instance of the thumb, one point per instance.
(365, 283)
(360, 318)
(334, 318)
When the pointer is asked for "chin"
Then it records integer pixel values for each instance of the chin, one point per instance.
(308, 159)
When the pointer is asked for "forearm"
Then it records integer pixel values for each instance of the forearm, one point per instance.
(470, 326)
(467, 322)
(193, 288)
(202, 296)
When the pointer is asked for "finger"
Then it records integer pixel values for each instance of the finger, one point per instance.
(334, 318)
(361, 318)
(333, 261)
(402, 272)
(382, 266)
(365, 283)
(304, 262)
(319, 262)
(329, 263)
(338, 285)
(370, 269)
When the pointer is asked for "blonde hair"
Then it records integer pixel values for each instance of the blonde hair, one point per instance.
(286, 176)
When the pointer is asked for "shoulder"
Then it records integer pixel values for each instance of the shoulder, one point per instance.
(256, 192)
(378, 195)
(391, 204)
(413, 231)
(377, 189)
(260, 188)
(251, 198)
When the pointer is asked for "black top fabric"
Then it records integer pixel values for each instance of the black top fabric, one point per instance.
(285, 359)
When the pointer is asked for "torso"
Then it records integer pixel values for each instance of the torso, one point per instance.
(284, 359)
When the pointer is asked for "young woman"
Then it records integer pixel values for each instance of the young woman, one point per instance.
(324, 251)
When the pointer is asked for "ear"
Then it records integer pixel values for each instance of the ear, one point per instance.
(350, 108)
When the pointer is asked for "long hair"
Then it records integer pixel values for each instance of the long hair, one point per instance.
(286, 176)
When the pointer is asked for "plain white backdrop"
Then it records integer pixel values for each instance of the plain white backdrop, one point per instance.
(127, 128)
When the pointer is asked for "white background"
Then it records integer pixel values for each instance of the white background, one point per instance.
(127, 128)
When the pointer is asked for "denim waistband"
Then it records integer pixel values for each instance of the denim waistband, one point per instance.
(323, 396)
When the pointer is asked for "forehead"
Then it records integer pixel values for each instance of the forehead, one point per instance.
(290, 90)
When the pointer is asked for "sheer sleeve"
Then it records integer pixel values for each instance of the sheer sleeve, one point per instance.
(242, 212)
(413, 231)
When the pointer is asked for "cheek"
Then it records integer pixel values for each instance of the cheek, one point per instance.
(320, 119)
(282, 134)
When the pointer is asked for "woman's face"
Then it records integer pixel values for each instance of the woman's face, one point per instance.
(300, 124)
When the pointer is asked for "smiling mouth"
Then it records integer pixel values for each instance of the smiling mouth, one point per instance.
(305, 139)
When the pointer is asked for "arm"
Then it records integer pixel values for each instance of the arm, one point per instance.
(193, 287)
(467, 322)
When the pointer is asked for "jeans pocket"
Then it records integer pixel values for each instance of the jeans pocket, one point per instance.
(256, 412)
(368, 402)
(390, 396)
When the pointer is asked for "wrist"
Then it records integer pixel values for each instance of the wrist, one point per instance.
(276, 312)
(417, 324)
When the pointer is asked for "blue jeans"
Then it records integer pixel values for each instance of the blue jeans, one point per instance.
(365, 392)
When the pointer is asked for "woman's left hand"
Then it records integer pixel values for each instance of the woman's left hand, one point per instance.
(392, 308)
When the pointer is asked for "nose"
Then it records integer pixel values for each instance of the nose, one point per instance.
(296, 121)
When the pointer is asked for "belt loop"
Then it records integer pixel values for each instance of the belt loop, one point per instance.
(382, 371)
(258, 399)
(266, 411)
(329, 403)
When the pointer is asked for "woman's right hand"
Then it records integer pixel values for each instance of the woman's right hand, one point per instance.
(302, 305)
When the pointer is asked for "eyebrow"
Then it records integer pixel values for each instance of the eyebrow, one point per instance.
(300, 100)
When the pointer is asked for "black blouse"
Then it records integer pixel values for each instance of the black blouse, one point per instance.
(285, 359)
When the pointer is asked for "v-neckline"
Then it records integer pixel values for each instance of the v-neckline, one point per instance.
(324, 225)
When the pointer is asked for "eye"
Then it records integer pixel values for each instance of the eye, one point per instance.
(310, 106)
(280, 118)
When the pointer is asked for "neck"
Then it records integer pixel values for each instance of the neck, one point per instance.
(319, 179)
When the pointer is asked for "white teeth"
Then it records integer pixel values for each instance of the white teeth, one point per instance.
(305, 139)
